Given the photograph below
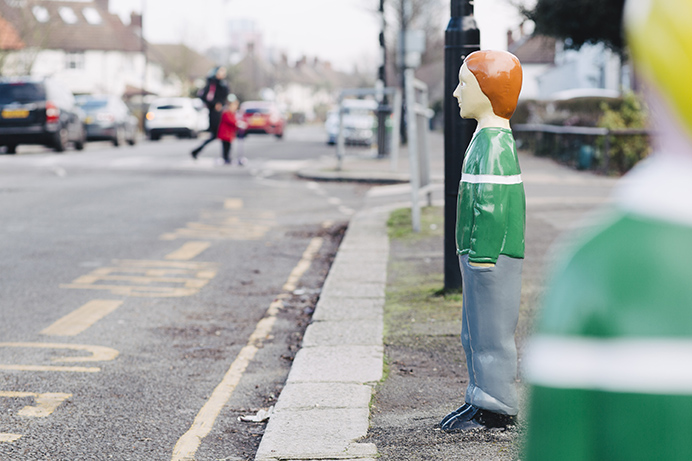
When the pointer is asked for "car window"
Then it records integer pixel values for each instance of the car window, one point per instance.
(91, 104)
(357, 111)
(168, 107)
(257, 110)
(21, 92)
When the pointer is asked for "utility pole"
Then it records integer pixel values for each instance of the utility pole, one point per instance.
(404, 19)
(462, 37)
(383, 109)
(146, 63)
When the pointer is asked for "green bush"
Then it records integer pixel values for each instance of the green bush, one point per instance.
(625, 150)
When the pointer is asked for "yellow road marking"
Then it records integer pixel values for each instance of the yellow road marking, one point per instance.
(233, 204)
(50, 368)
(188, 251)
(97, 354)
(148, 278)
(303, 265)
(79, 320)
(9, 438)
(187, 445)
(45, 403)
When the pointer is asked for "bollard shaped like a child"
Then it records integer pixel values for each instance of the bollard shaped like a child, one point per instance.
(491, 215)
(609, 365)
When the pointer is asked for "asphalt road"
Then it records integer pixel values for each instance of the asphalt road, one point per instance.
(148, 300)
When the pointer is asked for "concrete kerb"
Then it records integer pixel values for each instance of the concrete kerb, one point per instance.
(324, 407)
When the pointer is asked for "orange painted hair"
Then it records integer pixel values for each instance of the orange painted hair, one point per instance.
(499, 76)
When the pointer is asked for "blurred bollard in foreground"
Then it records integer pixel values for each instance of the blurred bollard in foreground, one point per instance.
(610, 366)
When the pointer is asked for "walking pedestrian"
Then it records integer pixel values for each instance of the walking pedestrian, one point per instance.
(214, 95)
(228, 128)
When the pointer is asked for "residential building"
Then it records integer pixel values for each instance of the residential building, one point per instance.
(78, 42)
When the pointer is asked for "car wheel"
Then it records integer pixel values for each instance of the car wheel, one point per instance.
(11, 149)
(60, 139)
(193, 134)
(154, 137)
(79, 143)
(119, 138)
(133, 140)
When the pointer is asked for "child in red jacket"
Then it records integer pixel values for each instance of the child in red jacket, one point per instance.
(228, 127)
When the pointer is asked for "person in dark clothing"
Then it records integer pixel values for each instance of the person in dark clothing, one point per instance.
(214, 95)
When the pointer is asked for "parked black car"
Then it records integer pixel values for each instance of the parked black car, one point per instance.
(39, 111)
(108, 119)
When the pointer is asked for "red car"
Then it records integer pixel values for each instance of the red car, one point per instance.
(262, 117)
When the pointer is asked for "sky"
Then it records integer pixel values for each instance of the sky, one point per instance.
(344, 32)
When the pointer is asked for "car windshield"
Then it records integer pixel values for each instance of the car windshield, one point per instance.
(91, 104)
(21, 93)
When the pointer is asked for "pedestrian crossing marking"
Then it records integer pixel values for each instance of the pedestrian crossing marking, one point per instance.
(147, 278)
(79, 320)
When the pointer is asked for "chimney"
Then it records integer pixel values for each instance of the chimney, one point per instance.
(136, 21)
(103, 4)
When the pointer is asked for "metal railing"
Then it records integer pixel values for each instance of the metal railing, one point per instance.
(586, 148)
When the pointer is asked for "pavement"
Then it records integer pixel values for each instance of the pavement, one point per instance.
(323, 410)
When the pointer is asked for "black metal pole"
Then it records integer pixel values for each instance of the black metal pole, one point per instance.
(404, 18)
(462, 37)
(383, 109)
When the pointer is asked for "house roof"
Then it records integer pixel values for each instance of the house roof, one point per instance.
(180, 60)
(534, 49)
(69, 25)
(9, 38)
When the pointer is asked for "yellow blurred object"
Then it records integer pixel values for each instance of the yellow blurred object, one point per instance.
(660, 37)
(150, 116)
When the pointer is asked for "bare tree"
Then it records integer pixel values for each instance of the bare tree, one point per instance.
(31, 21)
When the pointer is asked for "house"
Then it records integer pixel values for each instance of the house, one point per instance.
(182, 68)
(537, 56)
(78, 42)
(306, 90)
(591, 69)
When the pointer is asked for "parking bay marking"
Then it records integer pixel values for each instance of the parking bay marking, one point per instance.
(6, 437)
(79, 320)
(232, 223)
(189, 443)
(188, 251)
(46, 403)
(145, 278)
(96, 354)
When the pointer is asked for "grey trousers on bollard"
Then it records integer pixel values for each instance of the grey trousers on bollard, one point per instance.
(491, 297)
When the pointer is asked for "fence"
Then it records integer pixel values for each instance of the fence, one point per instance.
(585, 148)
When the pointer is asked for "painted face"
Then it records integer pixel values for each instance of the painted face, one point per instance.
(473, 103)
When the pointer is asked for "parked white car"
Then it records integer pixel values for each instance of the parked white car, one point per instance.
(182, 117)
(360, 122)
